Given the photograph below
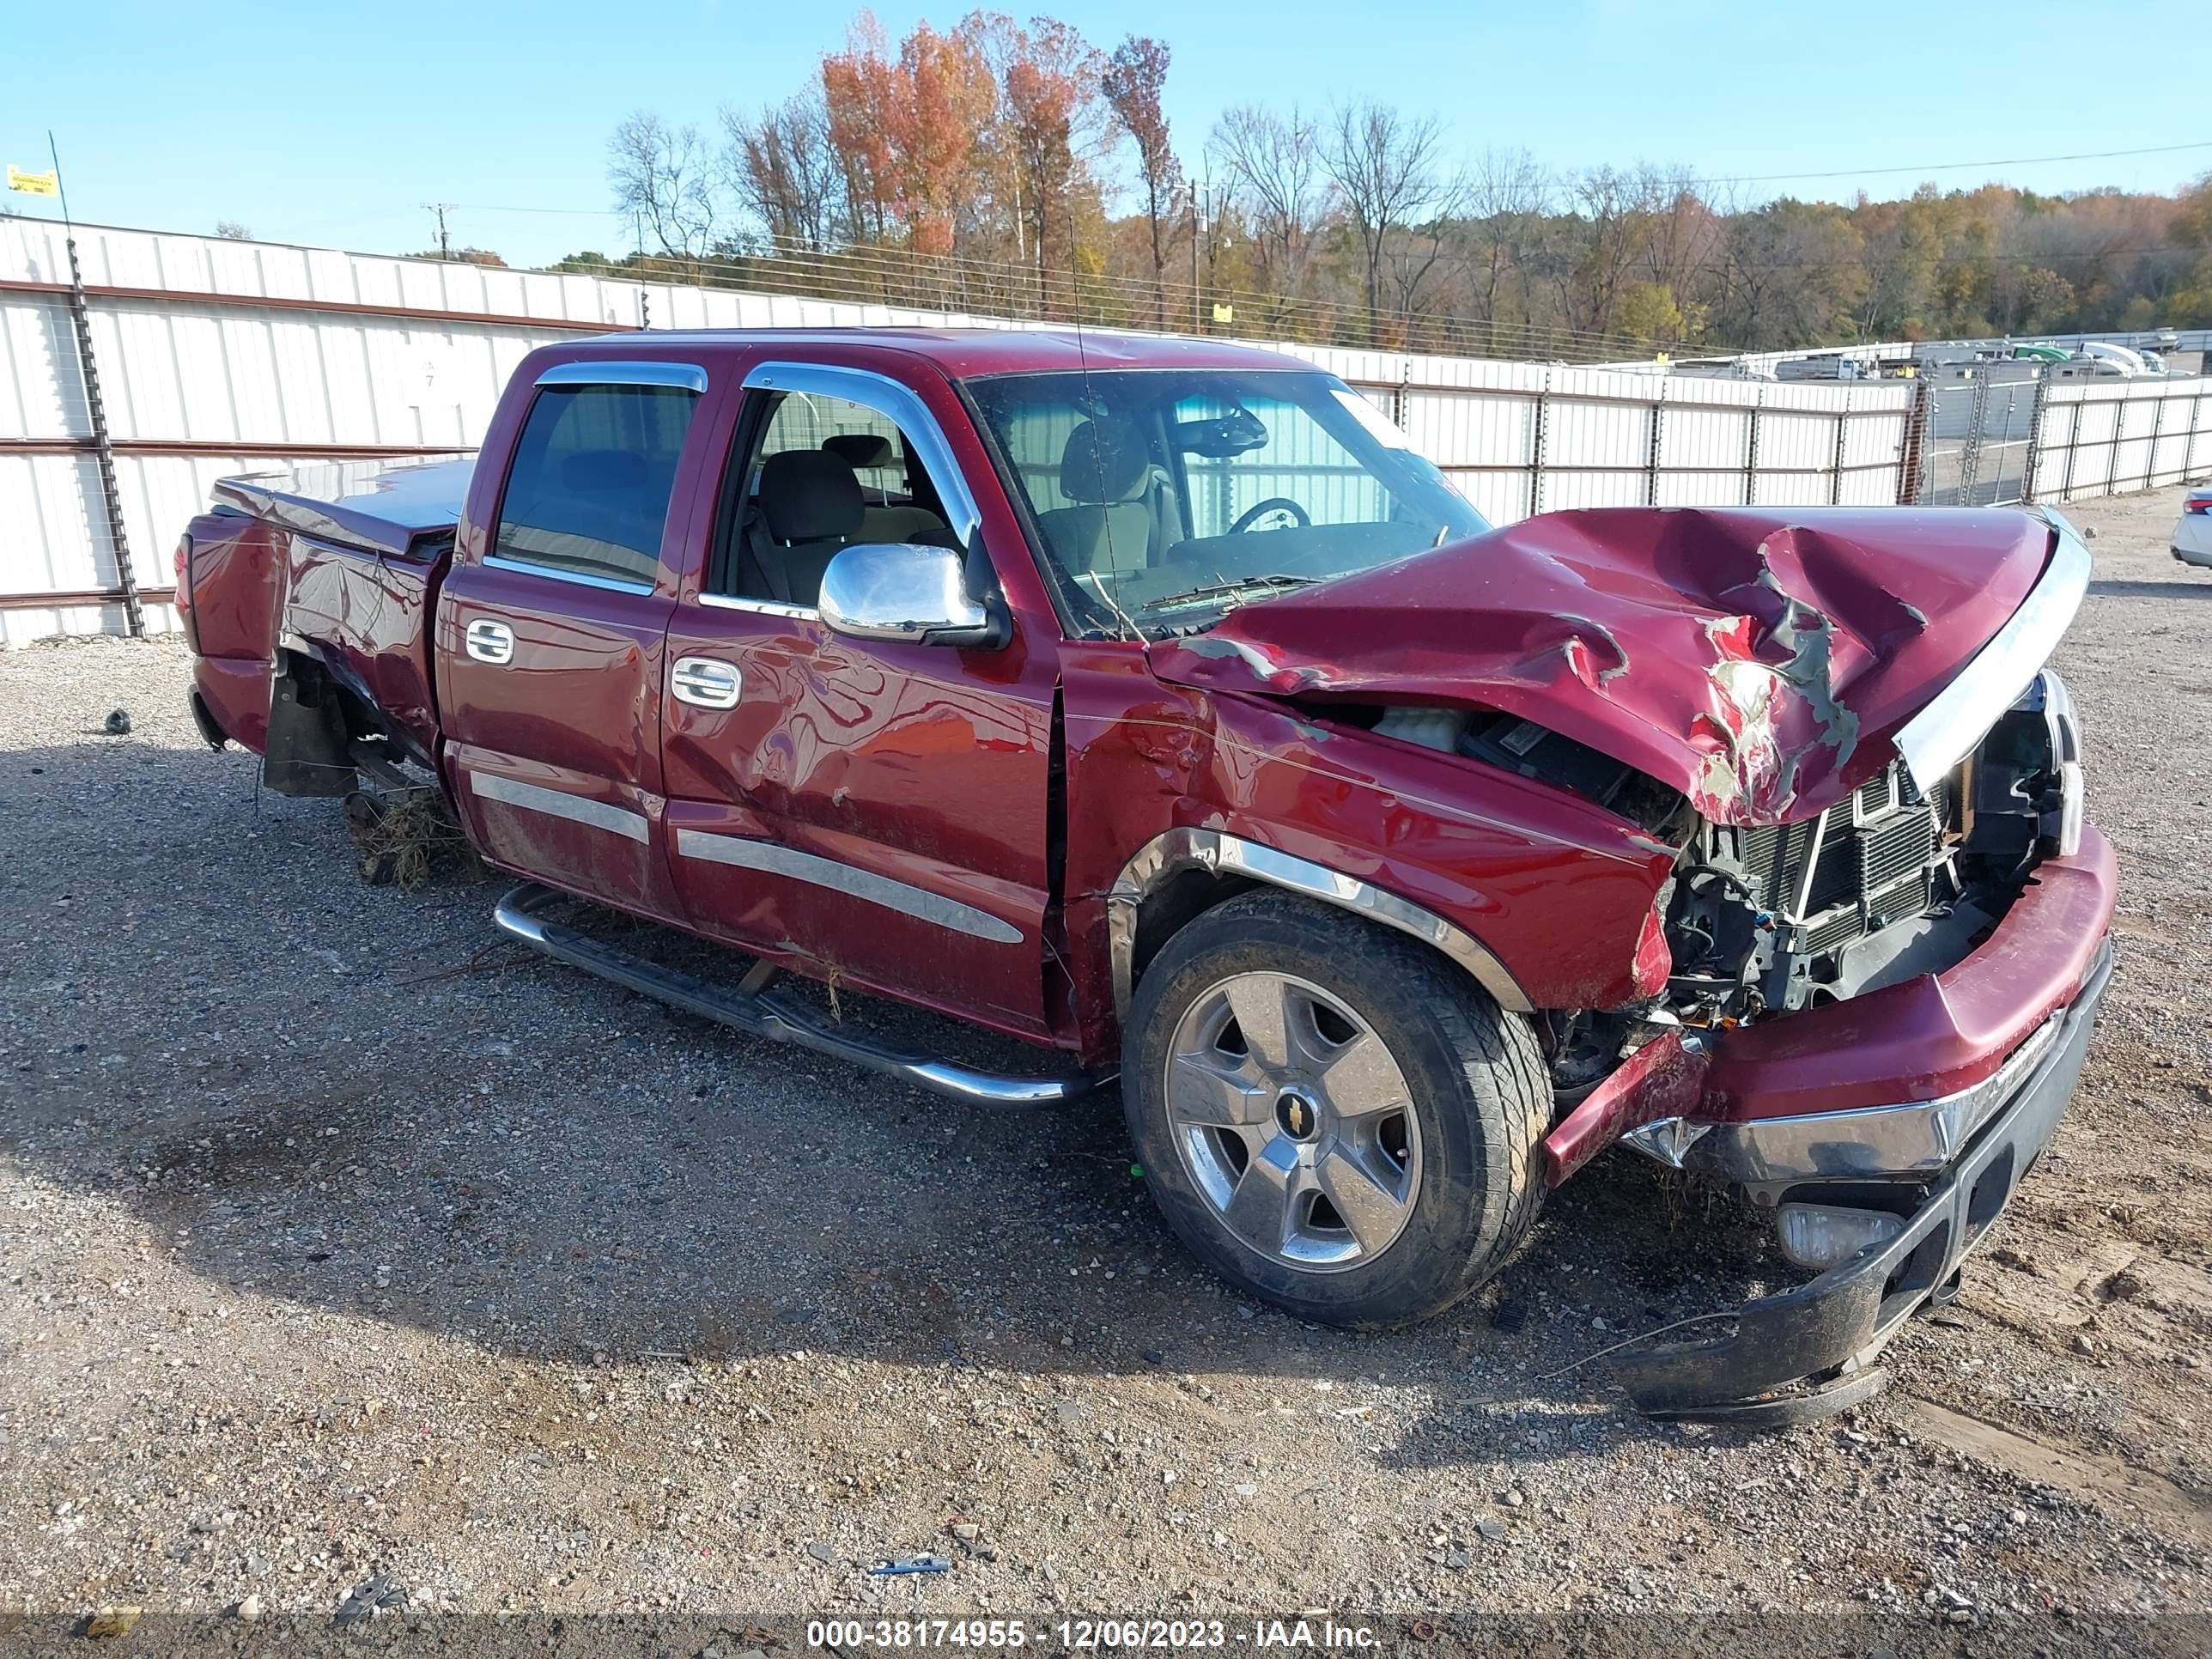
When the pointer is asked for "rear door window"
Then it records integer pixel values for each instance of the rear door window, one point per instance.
(588, 493)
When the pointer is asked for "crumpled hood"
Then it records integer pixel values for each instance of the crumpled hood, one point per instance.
(1758, 659)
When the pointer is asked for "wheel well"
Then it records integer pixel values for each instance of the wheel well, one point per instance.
(314, 720)
(1181, 898)
(1172, 905)
(1184, 873)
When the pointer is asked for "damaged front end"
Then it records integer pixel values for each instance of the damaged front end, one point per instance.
(1874, 1018)
(1877, 935)
(1896, 881)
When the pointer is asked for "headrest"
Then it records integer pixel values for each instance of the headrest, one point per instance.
(1102, 462)
(861, 451)
(602, 471)
(810, 496)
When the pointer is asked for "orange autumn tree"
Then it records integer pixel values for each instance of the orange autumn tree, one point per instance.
(911, 131)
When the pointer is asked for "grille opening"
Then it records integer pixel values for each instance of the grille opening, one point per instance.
(1870, 869)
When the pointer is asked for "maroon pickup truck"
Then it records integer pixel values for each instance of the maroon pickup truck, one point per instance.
(1155, 703)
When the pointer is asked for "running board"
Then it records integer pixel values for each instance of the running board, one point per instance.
(754, 1011)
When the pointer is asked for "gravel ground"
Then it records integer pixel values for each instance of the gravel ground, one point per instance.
(345, 1245)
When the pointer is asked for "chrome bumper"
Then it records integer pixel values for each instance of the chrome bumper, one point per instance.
(1911, 1138)
(1810, 1351)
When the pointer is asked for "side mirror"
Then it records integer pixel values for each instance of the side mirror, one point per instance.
(887, 591)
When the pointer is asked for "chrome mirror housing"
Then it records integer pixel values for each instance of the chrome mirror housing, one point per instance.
(887, 591)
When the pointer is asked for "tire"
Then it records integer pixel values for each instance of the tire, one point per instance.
(1446, 1165)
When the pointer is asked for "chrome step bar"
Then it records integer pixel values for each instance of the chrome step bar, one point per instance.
(752, 1009)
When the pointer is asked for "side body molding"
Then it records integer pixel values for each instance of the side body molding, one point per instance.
(1210, 849)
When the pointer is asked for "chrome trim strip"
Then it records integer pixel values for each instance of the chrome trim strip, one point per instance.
(682, 377)
(1209, 849)
(897, 403)
(560, 804)
(605, 583)
(1945, 732)
(762, 607)
(775, 859)
(1913, 1138)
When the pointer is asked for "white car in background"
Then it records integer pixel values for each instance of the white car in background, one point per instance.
(2192, 531)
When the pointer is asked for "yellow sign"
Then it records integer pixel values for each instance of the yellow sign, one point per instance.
(1225, 313)
(34, 184)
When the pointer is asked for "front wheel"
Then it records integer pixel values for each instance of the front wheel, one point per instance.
(1331, 1116)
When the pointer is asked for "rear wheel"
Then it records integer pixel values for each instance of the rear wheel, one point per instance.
(1331, 1116)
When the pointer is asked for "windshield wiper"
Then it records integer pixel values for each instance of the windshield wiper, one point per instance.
(1226, 590)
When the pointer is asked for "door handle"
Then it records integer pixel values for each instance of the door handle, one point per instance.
(490, 642)
(705, 682)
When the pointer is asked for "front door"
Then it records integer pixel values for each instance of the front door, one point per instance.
(552, 634)
(874, 812)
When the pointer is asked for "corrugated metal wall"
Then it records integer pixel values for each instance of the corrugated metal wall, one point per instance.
(2109, 437)
(222, 357)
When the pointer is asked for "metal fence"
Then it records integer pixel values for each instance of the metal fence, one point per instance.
(219, 356)
(2107, 438)
(1977, 422)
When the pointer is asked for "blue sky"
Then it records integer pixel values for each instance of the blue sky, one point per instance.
(332, 125)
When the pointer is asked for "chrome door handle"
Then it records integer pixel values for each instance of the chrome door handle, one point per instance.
(705, 682)
(490, 642)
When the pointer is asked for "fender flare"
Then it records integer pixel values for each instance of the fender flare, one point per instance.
(1224, 855)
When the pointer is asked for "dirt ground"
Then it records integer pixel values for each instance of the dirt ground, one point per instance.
(344, 1246)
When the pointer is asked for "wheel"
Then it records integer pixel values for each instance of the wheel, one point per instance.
(1330, 1115)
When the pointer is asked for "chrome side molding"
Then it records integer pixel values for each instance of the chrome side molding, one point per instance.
(1210, 849)
(560, 804)
(775, 859)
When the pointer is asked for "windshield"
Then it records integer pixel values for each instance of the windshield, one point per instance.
(1166, 497)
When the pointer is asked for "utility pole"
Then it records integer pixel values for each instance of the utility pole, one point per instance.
(1196, 327)
(111, 498)
(440, 209)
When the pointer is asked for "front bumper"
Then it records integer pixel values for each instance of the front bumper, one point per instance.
(1809, 1351)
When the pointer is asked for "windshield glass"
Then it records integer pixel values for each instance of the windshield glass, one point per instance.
(1166, 497)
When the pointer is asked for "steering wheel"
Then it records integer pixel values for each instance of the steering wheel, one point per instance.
(1272, 504)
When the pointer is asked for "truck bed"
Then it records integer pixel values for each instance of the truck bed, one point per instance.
(340, 559)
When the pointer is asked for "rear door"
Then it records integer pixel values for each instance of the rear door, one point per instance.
(553, 628)
(876, 810)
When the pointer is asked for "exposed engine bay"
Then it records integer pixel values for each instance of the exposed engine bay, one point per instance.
(1896, 881)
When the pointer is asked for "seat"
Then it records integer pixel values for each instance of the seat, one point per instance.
(884, 521)
(1105, 471)
(808, 507)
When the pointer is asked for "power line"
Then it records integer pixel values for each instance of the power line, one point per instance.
(1951, 166)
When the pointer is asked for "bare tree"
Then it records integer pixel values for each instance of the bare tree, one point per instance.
(231, 231)
(1596, 248)
(1391, 174)
(663, 176)
(1681, 232)
(782, 168)
(1501, 226)
(1273, 167)
(1134, 75)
